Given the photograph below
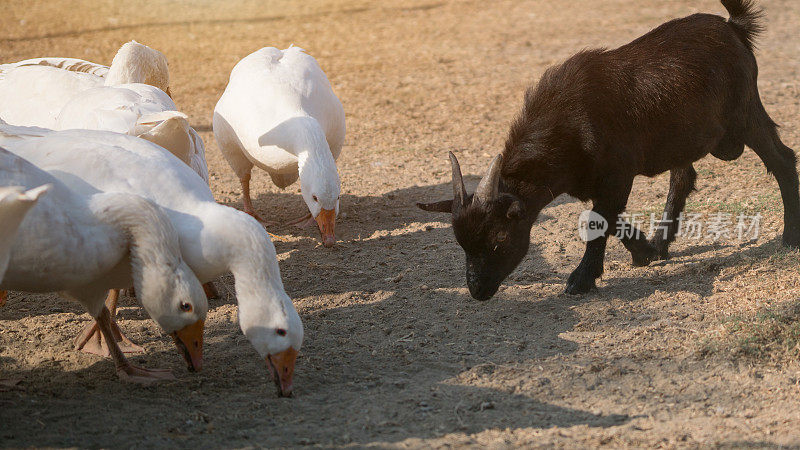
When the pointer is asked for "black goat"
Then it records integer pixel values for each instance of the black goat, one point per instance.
(682, 91)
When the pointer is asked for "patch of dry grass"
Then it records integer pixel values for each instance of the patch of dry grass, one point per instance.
(773, 334)
(768, 333)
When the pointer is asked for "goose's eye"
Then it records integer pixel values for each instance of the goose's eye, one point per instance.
(502, 236)
(186, 307)
(315, 198)
(280, 332)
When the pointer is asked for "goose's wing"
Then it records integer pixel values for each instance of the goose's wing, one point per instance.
(69, 64)
(317, 97)
(113, 108)
(266, 88)
(60, 241)
(34, 95)
(88, 161)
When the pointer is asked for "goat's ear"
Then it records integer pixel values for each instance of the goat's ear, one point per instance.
(444, 206)
(515, 211)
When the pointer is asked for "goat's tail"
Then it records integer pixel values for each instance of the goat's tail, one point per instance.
(745, 18)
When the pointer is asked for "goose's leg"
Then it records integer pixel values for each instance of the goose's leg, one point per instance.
(91, 340)
(125, 370)
(248, 202)
(302, 222)
(210, 290)
(3, 298)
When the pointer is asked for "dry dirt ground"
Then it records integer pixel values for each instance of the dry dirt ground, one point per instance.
(701, 350)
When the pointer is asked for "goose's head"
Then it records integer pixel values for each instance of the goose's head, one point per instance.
(321, 190)
(167, 288)
(15, 202)
(277, 340)
(178, 304)
(138, 63)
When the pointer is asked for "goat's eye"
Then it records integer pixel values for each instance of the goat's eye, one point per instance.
(280, 332)
(186, 307)
(314, 197)
(502, 236)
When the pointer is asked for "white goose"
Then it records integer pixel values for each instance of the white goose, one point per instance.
(131, 97)
(138, 110)
(279, 113)
(34, 91)
(15, 203)
(147, 112)
(214, 239)
(83, 244)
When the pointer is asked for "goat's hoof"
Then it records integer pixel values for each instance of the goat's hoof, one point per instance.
(579, 282)
(791, 239)
(661, 248)
(645, 257)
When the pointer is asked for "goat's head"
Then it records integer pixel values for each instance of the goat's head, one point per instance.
(490, 226)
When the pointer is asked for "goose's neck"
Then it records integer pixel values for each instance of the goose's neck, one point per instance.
(242, 244)
(152, 240)
(120, 73)
(131, 70)
(311, 147)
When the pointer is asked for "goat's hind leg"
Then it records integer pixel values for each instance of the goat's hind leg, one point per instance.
(642, 252)
(681, 184)
(780, 160)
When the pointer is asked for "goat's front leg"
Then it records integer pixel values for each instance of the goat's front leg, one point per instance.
(681, 184)
(581, 280)
(609, 206)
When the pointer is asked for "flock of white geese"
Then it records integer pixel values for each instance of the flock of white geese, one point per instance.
(104, 186)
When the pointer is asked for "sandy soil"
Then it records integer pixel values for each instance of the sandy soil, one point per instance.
(396, 352)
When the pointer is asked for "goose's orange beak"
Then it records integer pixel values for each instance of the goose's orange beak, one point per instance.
(326, 221)
(189, 341)
(281, 367)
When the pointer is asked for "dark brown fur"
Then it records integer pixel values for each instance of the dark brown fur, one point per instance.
(684, 90)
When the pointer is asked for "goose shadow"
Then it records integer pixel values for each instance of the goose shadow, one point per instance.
(389, 368)
(362, 215)
(384, 242)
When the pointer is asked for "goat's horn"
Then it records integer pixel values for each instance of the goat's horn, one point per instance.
(459, 191)
(490, 184)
